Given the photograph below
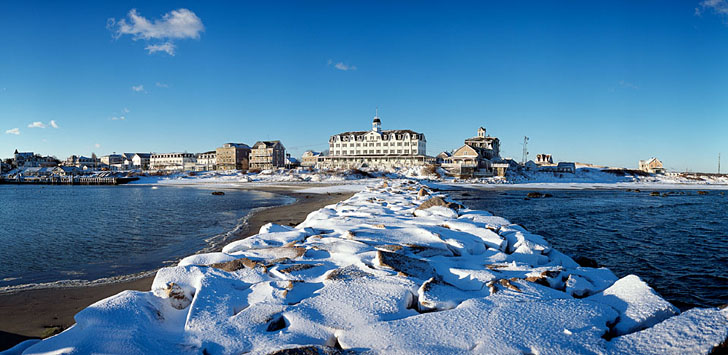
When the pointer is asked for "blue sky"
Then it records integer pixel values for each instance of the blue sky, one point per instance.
(606, 82)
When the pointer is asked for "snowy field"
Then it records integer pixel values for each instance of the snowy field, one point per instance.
(397, 268)
(354, 181)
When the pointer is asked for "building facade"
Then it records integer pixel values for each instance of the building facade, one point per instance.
(377, 149)
(310, 159)
(478, 157)
(172, 162)
(544, 159)
(82, 162)
(112, 161)
(141, 161)
(232, 156)
(206, 161)
(29, 159)
(566, 167)
(652, 165)
(265, 155)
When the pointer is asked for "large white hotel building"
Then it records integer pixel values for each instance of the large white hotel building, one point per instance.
(377, 149)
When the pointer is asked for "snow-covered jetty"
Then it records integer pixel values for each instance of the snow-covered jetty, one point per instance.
(395, 269)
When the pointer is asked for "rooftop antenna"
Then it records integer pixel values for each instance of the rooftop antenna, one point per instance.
(525, 150)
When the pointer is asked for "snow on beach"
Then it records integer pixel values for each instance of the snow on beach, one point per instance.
(356, 180)
(397, 268)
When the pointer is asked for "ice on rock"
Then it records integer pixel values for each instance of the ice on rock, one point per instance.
(130, 322)
(405, 265)
(386, 272)
(600, 278)
(345, 304)
(482, 326)
(639, 306)
(487, 236)
(436, 295)
(439, 211)
(206, 259)
(467, 279)
(272, 236)
(695, 331)
(578, 286)
(274, 228)
(558, 258)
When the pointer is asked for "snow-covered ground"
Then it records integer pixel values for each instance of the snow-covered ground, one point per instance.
(382, 272)
(355, 180)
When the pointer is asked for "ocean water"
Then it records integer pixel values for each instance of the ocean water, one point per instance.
(53, 233)
(678, 244)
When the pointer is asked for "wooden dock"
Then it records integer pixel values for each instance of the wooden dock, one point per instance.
(69, 180)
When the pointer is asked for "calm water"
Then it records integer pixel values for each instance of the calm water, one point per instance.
(677, 244)
(51, 233)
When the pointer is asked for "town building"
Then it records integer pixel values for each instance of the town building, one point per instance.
(310, 159)
(66, 171)
(377, 149)
(82, 162)
(206, 161)
(20, 158)
(442, 157)
(544, 159)
(652, 165)
(112, 161)
(489, 146)
(172, 162)
(265, 155)
(291, 162)
(566, 167)
(478, 157)
(141, 161)
(232, 156)
(29, 159)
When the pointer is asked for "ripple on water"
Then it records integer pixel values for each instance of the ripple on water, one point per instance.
(89, 232)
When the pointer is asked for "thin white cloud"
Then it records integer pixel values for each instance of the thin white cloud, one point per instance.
(97, 145)
(118, 118)
(719, 7)
(167, 47)
(159, 33)
(626, 84)
(138, 88)
(125, 110)
(341, 65)
(15, 131)
(162, 85)
(37, 124)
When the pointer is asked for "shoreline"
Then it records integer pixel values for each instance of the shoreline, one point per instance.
(41, 312)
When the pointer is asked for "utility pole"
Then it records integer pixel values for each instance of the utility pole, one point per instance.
(718, 163)
(525, 150)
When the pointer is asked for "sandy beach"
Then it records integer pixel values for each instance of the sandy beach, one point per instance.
(44, 312)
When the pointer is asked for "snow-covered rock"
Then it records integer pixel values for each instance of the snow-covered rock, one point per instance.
(639, 306)
(695, 331)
